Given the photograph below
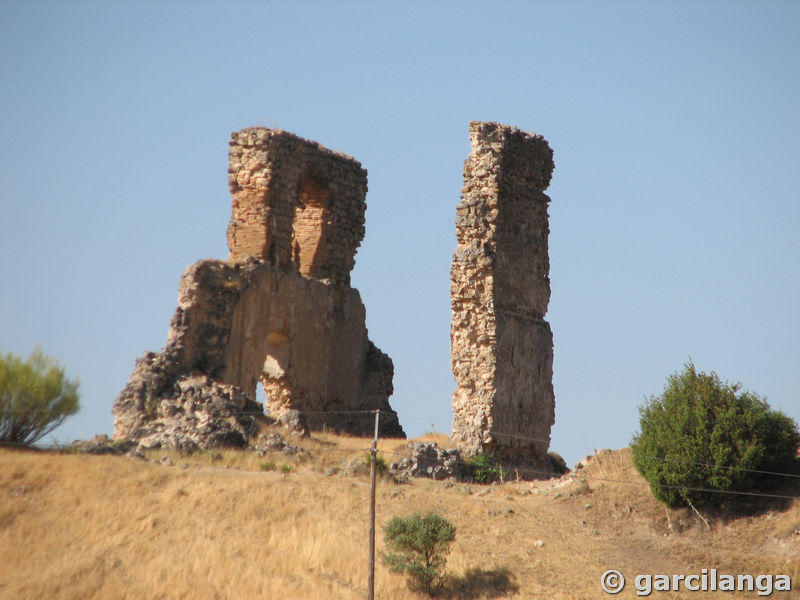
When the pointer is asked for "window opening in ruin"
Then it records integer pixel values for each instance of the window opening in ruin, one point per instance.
(309, 232)
(277, 355)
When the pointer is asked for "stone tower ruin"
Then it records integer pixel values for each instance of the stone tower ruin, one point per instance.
(280, 311)
(501, 346)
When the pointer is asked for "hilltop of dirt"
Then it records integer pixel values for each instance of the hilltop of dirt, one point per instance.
(294, 524)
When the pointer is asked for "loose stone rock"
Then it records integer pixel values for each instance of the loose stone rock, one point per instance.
(428, 460)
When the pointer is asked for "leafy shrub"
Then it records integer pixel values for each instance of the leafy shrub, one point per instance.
(556, 463)
(485, 469)
(35, 397)
(380, 462)
(418, 546)
(268, 465)
(702, 434)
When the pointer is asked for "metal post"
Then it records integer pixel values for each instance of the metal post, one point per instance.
(372, 472)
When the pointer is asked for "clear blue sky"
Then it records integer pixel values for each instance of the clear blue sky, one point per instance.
(675, 214)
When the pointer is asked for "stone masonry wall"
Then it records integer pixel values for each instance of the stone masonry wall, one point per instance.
(501, 346)
(295, 202)
(280, 311)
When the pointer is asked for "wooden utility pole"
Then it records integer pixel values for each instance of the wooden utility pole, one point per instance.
(372, 473)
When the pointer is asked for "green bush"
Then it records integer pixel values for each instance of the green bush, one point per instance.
(380, 462)
(35, 397)
(485, 469)
(418, 546)
(702, 434)
(556, 463)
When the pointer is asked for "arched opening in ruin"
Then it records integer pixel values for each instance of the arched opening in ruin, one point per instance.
(274, 380)
(261, 395)
(310, 227)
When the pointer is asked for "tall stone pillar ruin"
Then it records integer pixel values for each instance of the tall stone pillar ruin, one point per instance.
(501, 346)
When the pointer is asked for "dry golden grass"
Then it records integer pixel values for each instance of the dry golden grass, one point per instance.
(215, 525)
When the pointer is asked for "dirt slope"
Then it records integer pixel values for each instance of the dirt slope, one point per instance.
(234, 525)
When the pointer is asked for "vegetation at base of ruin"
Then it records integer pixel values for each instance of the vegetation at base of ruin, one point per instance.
(557, 463)
(702, 436)
(211, 524)
(417, 547)
(151, 405)
(485, 469)
(381, 466)
(35, 397)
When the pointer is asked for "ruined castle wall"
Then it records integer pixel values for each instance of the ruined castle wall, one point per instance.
(280, 311)
(295, 202)
(309, 338)
(501, 346)
(244, 324)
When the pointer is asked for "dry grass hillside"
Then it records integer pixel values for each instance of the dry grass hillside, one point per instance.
(235, 525)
